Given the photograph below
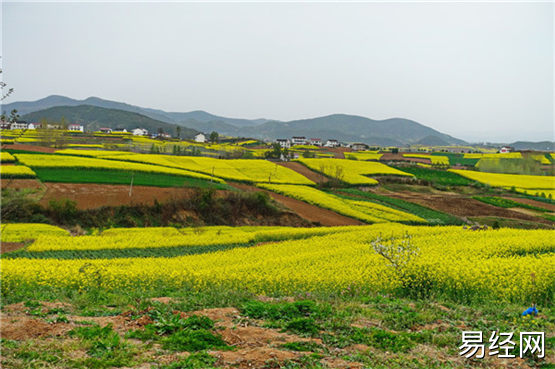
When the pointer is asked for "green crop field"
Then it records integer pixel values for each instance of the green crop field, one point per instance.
(438, 177)
(80, 175)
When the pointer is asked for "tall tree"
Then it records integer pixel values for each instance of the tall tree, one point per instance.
(14, 116)
(214, 136)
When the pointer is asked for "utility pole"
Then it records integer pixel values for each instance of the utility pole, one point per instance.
(131, 185)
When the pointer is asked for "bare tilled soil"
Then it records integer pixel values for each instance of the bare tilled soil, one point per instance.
(338, 152)
(301, 169)
(21, 183)
(539, 204)
(463, 206)
(90, 195)
(304, 210)
(30, 148)
(399, 157)
(11, 246)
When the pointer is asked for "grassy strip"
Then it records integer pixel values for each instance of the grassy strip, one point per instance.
(432, 216)
(106, 176)
(506, 203)
(121, 253)
(439, 177)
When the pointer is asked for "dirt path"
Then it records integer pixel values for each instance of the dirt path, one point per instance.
(304, 210)
(90, 195)
(302, 170)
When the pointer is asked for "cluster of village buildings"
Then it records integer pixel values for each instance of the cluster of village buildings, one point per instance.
(77, 128)
(287, 143)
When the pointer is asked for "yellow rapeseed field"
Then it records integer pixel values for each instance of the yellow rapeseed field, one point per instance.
(6, 157)
(351, 171)
(67, 161)
(434, 159)
(160, 237)
(363, 155)
(244, 170)
(508, 155)
(509, 180)
(18, 232)
(16, 171)
(364, 210)
(508, 264)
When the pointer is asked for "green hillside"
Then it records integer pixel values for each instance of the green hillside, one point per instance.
(93, 117)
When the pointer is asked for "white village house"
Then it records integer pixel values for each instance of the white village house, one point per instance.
(76, 128)
(284, 143)
(19, 125)
(332, 143)
(316, 141)
(358, 146)
(298, 140)
(140, 132)
(200, 138)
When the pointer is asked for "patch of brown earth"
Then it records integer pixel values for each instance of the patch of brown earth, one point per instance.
(304, 210)
(463, 206)
(253, 357)
(30, 148)
(22, 327)
(399, 157)
(338, 152)
(335, 362)
(539, 204)
(90, 195)
(11, 246)
(304, 171)
(21, 183)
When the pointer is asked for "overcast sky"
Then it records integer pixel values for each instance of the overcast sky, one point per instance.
(475, 71)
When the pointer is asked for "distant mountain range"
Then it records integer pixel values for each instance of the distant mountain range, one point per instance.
(94, 117)
(95, 112)
(25, 107)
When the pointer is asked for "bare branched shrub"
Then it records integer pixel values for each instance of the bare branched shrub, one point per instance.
(399, 251)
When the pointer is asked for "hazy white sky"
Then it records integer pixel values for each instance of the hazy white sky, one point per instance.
(475, 71)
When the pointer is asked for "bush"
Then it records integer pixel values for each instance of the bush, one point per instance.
(193, 340)
(303, 326)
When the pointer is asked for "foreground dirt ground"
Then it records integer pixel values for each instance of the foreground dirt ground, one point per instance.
(41, 332)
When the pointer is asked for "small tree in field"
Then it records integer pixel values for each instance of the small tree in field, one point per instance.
(399, 251)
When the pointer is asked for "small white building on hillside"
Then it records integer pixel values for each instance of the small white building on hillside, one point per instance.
(332, 143)
(298, 140)
(140, 132)
(76, 128)
(200, 138)
(19, 125)
(316, 141)
(284, 143)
